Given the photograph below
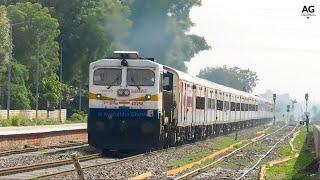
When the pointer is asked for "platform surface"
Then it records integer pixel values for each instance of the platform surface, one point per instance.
(4, 131)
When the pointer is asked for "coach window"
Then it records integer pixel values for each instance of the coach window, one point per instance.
(213, 104)
(200, 102)
(209, 105)
(107, 77)
(219, 105)
(189, 101)
(238, 107)
(226, 106)
(140, 77)
(233, 106)
(246, 107)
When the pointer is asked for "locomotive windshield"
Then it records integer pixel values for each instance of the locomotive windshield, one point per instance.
(140, 77)
(107, 77)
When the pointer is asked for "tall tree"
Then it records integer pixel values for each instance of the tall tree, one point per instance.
(241, 79)
(160, 30)
(4, 51)
(33, 25)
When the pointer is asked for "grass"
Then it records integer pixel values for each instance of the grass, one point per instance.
(19, 121)
(294, 168)
(217, 144)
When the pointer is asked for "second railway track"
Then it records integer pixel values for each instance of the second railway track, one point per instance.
(239, 154)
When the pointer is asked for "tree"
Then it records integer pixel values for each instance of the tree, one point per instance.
(19, 92)
(51, 90)
(90, 30)
(34, 24)
(4, 48)
(234, 77)
(160, 30)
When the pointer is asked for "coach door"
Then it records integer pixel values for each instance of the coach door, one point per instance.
(168, 97)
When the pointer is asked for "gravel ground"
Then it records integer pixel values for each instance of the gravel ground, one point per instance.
(237, 164)
(43, 156)
(157, 163)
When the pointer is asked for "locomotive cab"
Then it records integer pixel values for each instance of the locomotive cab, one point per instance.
(125, 102)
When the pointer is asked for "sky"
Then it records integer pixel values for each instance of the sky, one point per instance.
(270, 37)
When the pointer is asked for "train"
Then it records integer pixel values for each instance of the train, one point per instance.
(136, 103)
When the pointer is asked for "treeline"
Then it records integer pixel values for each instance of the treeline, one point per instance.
(82, 31)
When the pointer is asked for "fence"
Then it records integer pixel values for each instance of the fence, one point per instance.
(31, 114)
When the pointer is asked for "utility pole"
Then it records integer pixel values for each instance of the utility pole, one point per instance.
(307, 114)
(80, 96)
(60, 103)
(274, 108)
(9, 71)
(288, 111)
(37, 75)
(10, 64)
(292, 107)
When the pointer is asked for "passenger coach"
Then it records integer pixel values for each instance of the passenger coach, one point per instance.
(138, 104)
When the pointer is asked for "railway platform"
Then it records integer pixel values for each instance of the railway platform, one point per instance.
(41, 136)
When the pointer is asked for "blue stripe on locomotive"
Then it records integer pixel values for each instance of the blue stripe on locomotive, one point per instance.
(123, 128)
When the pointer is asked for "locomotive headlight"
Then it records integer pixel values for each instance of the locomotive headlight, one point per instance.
(148, 97)
(126, 92)
(98, 96)
(120, 92)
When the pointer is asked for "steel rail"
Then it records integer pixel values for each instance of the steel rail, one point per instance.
(32, 167)
(112, 162)
(209, 166)
(134, 157)
(26, 150)
(265, 155)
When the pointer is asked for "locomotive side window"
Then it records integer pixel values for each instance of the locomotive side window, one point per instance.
(107, 77)
(140, 77)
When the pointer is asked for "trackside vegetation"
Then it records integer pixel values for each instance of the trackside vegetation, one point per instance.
(218, 144)
(296, 168)
(18, 121)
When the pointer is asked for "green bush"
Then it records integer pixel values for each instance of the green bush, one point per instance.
(5, 123)
(19, 121)
(77, 117)
(16, 121)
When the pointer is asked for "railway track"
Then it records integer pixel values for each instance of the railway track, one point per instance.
(37, 166)
(205, 169)
(113, 162)
(27, 150)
